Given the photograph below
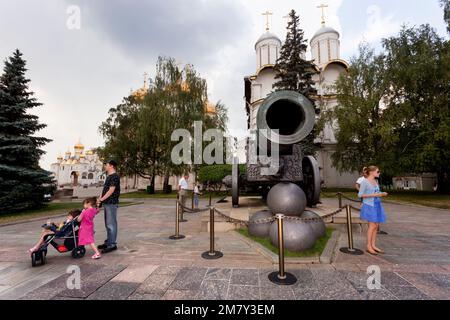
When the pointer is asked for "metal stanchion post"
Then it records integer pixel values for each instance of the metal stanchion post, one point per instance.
(340, 200)
(177, 234)
(192, 201)
(350, 249)
(211, 254)
(181, 209)
(281, 277)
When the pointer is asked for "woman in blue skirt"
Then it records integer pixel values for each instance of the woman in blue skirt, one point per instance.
(372, 210)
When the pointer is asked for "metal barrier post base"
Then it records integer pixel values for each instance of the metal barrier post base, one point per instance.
(212, 255)
(183, 220)
(174, 237)
(355, 252)
(288, 280)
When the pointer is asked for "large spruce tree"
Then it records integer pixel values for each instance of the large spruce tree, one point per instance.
(23, 183)
(295, 73)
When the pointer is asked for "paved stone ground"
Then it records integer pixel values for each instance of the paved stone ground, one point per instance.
(150, 266)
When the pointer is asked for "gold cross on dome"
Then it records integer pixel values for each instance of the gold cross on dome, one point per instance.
(267, 14)
(323, 6)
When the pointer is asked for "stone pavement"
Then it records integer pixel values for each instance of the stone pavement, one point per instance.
(150, 266)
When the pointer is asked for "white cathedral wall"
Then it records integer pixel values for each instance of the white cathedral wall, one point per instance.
(267, 52)
(330, 176)
(325, 48)
(331, 75)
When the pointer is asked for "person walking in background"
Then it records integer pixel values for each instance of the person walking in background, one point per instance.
(110, 202)
(197, 194)
(183, 189)
(372, 209)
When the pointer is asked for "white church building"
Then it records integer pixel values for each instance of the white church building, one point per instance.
(325, 52)
(78, 168)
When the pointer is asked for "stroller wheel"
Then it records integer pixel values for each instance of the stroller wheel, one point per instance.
(43, 257)
(33, 259)
(78, 252)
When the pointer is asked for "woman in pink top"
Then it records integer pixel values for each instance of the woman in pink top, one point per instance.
(86, 232)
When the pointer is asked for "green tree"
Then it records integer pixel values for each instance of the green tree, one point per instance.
(446, 5)
(418, 69)
(138, 132)
(394, 108)
(295, 73)
(23, 183)
(363, 134)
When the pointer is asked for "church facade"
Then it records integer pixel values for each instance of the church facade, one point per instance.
(78, 168)
(325, 53)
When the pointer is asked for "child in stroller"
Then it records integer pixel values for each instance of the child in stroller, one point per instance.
(63, 237)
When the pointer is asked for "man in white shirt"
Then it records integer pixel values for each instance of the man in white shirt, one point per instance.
(182, 189)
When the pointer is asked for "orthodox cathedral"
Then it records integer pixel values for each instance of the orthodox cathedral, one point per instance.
(325, 53)
(79, 168)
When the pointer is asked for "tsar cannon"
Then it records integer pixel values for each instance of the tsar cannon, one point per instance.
(284, 120)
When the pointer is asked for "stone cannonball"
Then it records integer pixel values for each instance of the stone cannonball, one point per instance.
(286, 198)
(318, 227)
(260, 230)
(298, 236)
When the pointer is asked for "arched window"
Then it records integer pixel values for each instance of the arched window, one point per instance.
(84, 175)
(90, 176)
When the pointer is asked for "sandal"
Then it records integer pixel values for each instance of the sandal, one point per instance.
(372, 253)
(380, 251)
(96, 256)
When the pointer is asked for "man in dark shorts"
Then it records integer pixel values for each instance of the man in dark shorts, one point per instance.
(110, 202)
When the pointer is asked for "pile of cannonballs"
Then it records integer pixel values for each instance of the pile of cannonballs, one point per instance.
(290, 200)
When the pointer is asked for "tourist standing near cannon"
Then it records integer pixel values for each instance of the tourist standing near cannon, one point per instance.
(372, 209)
(183, 189)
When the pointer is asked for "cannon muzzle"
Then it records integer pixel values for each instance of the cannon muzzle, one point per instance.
(290, 114)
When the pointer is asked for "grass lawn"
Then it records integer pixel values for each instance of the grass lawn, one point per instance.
(428, 199)
(314, 252)
(52, 209)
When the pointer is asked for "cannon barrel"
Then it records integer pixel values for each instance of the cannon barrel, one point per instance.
(288, 112)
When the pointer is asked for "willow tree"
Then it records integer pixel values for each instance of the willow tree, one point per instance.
(139, 131)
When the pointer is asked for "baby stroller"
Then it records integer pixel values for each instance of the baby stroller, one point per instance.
(63, 240)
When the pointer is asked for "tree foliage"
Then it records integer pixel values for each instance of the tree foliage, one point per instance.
(138, 131)
(23, 183)
(394, 107)
(295, 73)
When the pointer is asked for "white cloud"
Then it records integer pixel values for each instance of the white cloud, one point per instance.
(378, 26)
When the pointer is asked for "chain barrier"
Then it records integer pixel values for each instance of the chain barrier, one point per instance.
(347, 198)
(268, 220)
(200, 210)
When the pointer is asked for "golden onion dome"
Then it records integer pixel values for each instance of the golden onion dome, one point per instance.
(185, 86)
(79, 145)
(209, 107)
(89, 152)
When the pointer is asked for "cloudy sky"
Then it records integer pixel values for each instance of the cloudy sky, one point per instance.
(80, 68)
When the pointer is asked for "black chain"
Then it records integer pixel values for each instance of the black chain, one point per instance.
(347, 198)
(189, 210)
(271, 219)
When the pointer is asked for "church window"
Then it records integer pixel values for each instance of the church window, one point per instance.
(90, 176)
